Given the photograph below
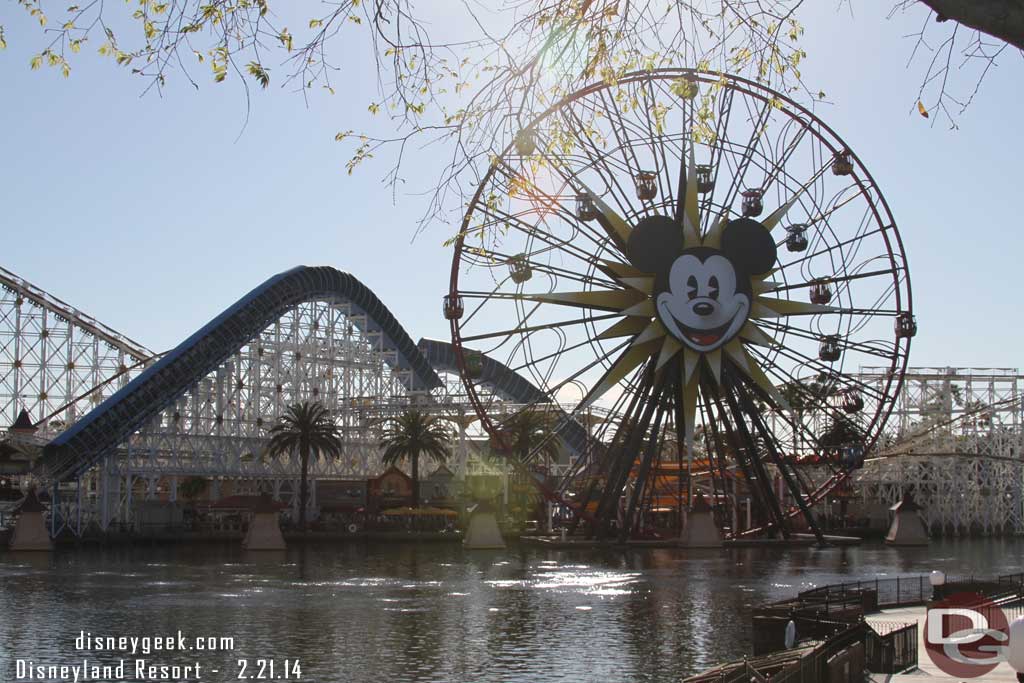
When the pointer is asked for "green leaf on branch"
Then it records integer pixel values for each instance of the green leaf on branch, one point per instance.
(286, 39)
(257, 71)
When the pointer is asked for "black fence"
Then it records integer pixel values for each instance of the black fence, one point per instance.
(903, 591)
(874, 594)
(841, 642)
(1011, 580)
(890, 648)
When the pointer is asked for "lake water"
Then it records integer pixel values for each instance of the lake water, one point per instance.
(426, 612)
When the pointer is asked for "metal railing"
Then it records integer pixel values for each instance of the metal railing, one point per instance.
(835, 614)
(892, 651)
(895, 592)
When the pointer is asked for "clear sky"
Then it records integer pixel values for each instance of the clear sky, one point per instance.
(153, 214)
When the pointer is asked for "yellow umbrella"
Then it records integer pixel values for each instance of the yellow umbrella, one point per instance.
(435, 512)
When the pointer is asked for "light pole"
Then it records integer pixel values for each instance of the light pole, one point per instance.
(937, 579)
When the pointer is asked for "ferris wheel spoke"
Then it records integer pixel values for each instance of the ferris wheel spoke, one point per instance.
(721, 436)
(715, 161)
(715, 449)
(768, 442)
(747, 155)
(533, 231)
(659, 141)
(499, 259)
(687, 158)
(619, 127)
(776, 216)
(553, 206)
(779, 168)
(613, 224)
(812, 364)
(610, 463)
(834, 279)
(829, 249)
(848, 344)
(603, 163)
(536, 328)
(597, 159)
(745, 448)
(524, 366)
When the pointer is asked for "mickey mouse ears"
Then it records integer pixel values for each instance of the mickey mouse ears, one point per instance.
(654, 244)
(657, 241)
(749, 245)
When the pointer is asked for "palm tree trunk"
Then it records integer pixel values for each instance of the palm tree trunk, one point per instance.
(415, 479)
(304, 485)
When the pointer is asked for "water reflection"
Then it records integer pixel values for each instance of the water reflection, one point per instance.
(429, 613)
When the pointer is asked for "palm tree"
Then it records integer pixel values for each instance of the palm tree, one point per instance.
(305, 427)
(532, 430)
(410, 435)
(531, 433)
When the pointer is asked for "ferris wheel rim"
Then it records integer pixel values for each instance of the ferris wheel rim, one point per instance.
(826, 135)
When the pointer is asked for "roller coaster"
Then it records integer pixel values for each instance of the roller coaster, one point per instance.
(112, 421)
(101, 421)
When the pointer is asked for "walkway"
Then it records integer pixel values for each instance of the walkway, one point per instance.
(926, 668)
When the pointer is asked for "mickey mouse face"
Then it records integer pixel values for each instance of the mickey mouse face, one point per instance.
(704, 304)
(702, 295)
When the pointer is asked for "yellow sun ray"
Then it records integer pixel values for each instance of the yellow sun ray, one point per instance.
(770, 307)
(778, 214)
(755, 335)
(764, 286)
(618, 229)
(714, 237)
(714, 360)
(624, 328)
(691, 213)
(619, 270)
(641, 284)
(626, 363)
(690, 358)
(607, 300)
(655, 331)
(644, 309)
(738, 355)
(762, 381)
(669, 348)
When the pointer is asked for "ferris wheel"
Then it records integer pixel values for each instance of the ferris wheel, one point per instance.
(704, 261)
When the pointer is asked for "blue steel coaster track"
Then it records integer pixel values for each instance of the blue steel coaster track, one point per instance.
(113, 421)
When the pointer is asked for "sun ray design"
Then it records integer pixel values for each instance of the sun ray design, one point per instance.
(626, 363)
(644, 299)
(669, 349)
(626, 327)
(614, 224)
